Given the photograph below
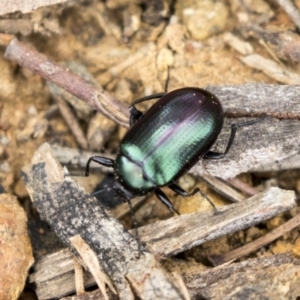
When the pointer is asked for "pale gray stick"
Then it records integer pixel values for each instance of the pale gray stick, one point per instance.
(174, 235)
(70, 211)
(292, 10)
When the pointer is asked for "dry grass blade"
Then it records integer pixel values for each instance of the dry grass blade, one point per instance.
(264, 240)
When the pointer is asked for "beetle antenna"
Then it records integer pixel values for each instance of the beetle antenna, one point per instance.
(251, 122)
(100, 191)
(167, 80)
(74, 175)
(137, 237)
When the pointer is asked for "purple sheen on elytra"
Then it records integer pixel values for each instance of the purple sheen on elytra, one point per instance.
(170, 137)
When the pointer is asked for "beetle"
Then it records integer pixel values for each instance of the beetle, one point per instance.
(165, 142)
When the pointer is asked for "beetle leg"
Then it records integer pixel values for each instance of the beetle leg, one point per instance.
(146, 98)
(135, 225)
(164, 199)
(218, 155)
(104, 161)
(177, 189)
(136, 114)
(234, 127)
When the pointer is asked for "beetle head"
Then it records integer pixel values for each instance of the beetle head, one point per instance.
(122, 191)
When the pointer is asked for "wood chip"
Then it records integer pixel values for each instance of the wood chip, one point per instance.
(90, 259)
(238, 44)
(272, 277)
(70, 211)
(272, 69)
(74, 212)
(8, 6)
(169, 237)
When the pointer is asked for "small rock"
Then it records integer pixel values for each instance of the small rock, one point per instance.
(4, 140)
(203, 18)
(15, 248)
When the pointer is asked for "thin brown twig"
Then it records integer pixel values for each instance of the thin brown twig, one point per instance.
(260, 242)
(100, 100)
(242, 186)
(72, 122)
(240, 100)
(106, 104)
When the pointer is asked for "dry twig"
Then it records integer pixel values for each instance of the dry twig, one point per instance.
(8, 6)
(100, 100)
(272, 69)
(292, 10)
(70, 212)
(71, 121)
(169, 237)
(251, 278)
(277, 139)
(264, 240)
(271, 277)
